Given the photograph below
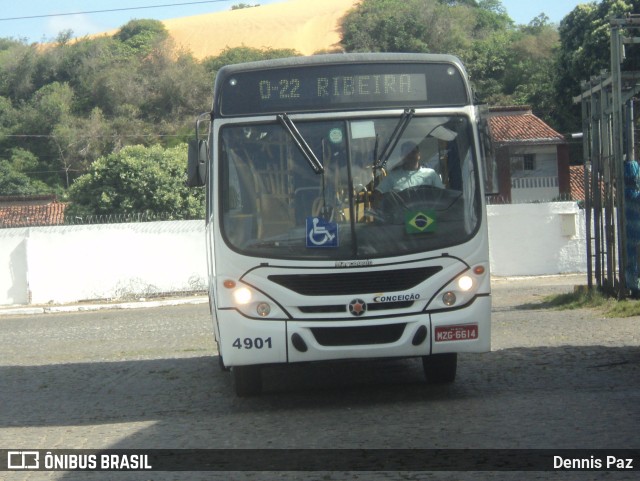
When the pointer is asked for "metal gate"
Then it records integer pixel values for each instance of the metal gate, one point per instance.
(608, 143)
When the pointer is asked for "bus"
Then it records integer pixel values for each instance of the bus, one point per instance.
(309, 258)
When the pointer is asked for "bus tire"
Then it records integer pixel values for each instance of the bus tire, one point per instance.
(440, 368)
(247, 380)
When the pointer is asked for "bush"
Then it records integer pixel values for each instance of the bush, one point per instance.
(137, 179)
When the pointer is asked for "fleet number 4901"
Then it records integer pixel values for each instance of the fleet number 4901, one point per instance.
(252, 343)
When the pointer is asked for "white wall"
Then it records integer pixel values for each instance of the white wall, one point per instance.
(539, 183)
(13, 266)
(537, 239)
(61, 264)
(546, 161)
(115, 261)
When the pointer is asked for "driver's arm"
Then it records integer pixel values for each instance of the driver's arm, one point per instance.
(432, 178)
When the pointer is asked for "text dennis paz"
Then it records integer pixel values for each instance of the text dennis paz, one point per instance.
(593, 462)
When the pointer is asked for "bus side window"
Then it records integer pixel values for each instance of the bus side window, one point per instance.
(239, 203)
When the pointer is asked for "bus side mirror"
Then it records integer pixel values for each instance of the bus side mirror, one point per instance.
(197, 163)
(487, 152)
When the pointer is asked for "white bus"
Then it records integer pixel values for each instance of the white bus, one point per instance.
(323, 242)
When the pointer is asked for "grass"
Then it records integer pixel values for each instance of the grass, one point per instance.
(585, 299)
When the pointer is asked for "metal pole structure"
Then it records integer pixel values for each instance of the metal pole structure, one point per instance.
(596, 185)
(586, 140)
(606, 166)
(631, 138)
(608, 140)
(616, 60)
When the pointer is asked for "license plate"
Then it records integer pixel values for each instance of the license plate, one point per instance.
(462, 332)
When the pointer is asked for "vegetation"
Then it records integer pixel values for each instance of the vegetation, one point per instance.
(70, 111)
(585, 299)
(137, 179)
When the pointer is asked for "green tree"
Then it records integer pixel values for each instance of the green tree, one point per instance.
(76, 101)
(435, 26)
(230, 56)
(492, 16)
(137, 179)
(17, 71)
(388, 26)
(171, 96)
(487, 62)
(8, 123)
(142, 36)
(508, 64)
(584, 51)
(530, 76)
(78, 141)
(14, 174)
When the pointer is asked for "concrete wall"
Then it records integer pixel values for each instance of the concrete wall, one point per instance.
(61, 264)
(537, 239)
(108, 261)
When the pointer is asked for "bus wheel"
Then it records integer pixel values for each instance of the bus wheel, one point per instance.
(247, 379)
(440, 368)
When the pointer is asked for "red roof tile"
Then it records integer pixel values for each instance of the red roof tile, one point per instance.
(517, 125)
(576, 182)
(28, 211)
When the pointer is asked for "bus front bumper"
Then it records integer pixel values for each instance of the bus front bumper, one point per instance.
(248, 341)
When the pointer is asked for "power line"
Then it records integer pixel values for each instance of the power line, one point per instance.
(110, 10)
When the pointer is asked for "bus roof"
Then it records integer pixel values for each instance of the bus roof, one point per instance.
(342, 58)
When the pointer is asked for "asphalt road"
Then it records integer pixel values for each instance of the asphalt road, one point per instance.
(148, 378)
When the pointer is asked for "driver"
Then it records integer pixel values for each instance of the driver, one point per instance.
(409, 173)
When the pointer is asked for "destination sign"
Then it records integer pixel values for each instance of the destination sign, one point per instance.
(342, 88)
(338, 87)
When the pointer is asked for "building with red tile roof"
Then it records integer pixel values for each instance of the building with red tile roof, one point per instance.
(576, 180)
(31, 210)
(518, 126)
(532, 158)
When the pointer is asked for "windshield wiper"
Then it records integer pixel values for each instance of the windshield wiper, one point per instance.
(407, 115)
(297, 137)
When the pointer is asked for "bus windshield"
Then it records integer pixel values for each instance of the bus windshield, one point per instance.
(377, 190)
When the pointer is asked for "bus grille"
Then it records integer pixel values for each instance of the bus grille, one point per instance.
(357, 336)
(338, 308)
(368, 282)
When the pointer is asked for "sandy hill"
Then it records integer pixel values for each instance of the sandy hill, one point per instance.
(307, 26)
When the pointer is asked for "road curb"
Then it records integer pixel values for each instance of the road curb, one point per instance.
(33, 310)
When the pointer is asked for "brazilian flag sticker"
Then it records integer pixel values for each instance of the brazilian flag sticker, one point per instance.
(418, 222)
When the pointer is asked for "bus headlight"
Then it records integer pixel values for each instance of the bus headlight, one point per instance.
(465, 283)
(247, 300)
(242, 296)
(263, 309)
(449, 298)
(462, 289)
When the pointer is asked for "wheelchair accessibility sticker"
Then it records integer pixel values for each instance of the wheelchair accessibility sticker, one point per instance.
(321, 233)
